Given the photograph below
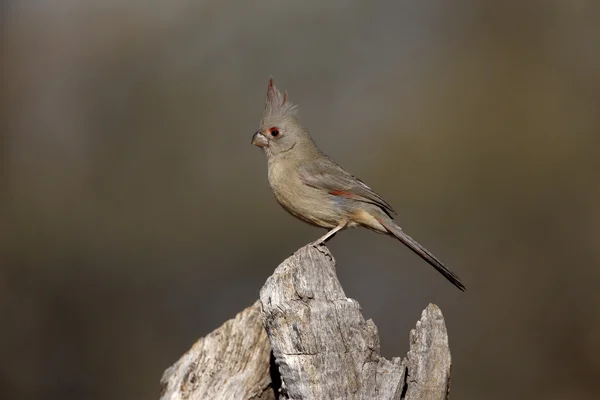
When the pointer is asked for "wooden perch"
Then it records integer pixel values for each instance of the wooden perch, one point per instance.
(232, 362)
(322, 348)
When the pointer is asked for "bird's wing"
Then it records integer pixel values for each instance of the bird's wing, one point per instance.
(326, 175)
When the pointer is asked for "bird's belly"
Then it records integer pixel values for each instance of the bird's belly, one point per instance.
(314, 208)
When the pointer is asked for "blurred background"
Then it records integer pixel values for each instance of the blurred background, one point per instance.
(136, 217)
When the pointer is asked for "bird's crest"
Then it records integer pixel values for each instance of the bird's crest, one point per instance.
(277, 105)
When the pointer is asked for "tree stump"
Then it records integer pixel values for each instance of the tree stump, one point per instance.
(305, 339)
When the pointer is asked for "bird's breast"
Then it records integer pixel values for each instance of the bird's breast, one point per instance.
(304, 202)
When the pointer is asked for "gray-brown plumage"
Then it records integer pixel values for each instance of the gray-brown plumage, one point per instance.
(312, 187)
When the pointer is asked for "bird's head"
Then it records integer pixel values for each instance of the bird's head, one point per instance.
(280, 129)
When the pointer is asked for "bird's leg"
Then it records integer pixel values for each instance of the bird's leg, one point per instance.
(329, 234)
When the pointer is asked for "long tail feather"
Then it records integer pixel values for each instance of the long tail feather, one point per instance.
(422, 252)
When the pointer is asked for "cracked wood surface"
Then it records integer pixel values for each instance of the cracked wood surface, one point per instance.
(232, 362)
(322, 346)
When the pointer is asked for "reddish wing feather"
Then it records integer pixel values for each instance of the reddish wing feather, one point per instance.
(344, 193)
(326, 175)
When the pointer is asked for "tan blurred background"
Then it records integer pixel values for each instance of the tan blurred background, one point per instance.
(136, 217)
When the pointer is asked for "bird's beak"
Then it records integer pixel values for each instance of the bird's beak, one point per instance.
(260, 140)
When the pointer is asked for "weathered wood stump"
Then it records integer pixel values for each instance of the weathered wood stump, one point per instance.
(305, 339)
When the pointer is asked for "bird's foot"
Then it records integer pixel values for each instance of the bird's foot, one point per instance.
(317, 243)
(321, 241)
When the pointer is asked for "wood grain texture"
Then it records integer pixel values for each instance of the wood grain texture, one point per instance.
(322, 347)
(429, 358)
(232, 362)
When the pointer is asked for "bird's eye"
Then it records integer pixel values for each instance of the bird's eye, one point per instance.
(274, 132)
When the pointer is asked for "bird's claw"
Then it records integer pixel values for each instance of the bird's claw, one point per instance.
(317, 243)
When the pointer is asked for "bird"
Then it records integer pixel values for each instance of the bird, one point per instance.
(315, 189)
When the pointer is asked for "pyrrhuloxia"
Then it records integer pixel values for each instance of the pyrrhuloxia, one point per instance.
(312, 187)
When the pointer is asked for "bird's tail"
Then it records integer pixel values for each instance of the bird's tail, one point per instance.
(421, 251)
